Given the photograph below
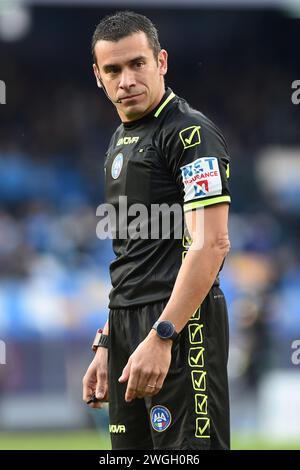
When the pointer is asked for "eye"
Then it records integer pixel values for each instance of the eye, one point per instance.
(139, 64)
(114, 70)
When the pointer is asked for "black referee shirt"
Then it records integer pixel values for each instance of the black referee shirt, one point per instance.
(174, 155)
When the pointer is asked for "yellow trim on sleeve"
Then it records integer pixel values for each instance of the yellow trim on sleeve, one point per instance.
(207, 202)
(227, 171)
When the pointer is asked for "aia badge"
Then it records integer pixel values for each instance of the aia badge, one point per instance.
(117, 166)
(160, 418)
(201, 178)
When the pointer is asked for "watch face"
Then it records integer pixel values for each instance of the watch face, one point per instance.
(165, 329)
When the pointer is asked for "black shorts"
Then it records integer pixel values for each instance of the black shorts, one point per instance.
(192, 409)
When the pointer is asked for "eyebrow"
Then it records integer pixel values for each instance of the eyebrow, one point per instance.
(108, 67)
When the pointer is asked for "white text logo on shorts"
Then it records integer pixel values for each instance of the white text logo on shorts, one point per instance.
(117, 428)
(117, 166)
(160, 418)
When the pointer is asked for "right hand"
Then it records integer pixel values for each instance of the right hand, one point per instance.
(95, 380)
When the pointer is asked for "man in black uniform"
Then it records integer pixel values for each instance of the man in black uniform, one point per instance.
(161, 359)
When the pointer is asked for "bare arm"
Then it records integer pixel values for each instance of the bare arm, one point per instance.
(201, 265)
(194, 280)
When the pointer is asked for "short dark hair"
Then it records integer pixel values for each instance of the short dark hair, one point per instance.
(124, 23)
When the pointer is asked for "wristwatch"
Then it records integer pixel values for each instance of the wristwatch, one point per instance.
(100, 341)
(165, 329)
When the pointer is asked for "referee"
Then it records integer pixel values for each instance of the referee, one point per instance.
(161, 358)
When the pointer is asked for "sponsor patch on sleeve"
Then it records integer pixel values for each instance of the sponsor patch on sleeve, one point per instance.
(201, 178)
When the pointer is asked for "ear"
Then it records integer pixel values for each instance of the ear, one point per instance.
(163, 62)
(97, 75)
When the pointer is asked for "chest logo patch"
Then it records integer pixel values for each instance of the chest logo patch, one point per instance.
(127, 140)
(117, 166)
(190, 136)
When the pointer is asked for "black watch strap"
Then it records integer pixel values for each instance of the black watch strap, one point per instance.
(101, 341)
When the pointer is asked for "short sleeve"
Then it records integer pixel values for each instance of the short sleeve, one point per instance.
(198, 158)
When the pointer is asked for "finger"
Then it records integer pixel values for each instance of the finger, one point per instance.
(92, 399)
(142, 384)
(147, 386)
(150, 391)
(101, 388)
(87, 391)
(126, 372)
(159, 384)
(132, 386)
(104, 395)
(93, 402)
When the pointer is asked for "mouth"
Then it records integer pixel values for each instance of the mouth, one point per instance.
(130, 97)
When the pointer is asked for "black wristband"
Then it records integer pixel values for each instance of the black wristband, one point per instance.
(101, 341)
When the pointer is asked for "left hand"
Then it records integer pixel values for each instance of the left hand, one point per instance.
(148, 365)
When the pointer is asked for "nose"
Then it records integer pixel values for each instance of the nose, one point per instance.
(127, 79)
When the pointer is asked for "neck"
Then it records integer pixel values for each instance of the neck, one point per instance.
(135, 117)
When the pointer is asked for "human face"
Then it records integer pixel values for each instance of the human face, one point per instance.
(130, 74)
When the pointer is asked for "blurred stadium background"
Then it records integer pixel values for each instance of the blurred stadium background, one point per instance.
(236, 62)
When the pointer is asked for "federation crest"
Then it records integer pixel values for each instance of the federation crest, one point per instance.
(117, 166)
(160, 418)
